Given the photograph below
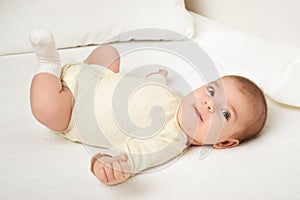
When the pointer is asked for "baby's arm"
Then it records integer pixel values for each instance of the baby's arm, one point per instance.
(145, 154)
(110, 170)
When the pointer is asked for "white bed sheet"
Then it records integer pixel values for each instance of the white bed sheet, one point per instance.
(38, 164)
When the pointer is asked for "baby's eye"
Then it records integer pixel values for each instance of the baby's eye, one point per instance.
(225, 113)
(211, 91)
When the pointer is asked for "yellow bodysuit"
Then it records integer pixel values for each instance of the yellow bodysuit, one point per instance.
(123, 113)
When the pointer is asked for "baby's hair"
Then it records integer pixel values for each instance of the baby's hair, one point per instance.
(251, 90)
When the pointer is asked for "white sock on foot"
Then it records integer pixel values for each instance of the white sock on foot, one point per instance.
(44, 47)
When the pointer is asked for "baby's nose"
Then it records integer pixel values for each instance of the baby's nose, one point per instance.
(209, 105)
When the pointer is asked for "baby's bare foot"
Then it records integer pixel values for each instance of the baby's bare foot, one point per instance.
(163, 72)
(160, 71)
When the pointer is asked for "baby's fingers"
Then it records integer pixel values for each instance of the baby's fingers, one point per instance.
(101, 175)
(125, 169)
(109, 172)
(98, 171)
(118, 171)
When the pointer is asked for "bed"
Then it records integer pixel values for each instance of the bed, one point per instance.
(36, 163)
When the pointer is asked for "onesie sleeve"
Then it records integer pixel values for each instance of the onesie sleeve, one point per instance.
(148, 153)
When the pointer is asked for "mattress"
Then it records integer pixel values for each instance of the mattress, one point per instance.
(36, 163)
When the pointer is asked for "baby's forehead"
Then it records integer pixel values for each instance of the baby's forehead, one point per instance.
(224, 83)
(235, 92)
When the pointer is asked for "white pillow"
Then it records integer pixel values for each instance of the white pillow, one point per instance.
(85, 22)
(275, 68)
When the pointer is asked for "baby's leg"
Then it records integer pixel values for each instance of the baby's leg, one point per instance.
(106, 56)
(51, 104)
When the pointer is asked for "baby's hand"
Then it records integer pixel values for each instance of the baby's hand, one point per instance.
(160, 71)
(110, 170)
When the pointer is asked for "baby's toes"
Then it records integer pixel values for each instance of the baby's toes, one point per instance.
(163, 72)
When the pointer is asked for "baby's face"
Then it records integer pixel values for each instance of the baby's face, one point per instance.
(214, 112)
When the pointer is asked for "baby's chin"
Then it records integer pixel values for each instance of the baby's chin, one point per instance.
(191, 140)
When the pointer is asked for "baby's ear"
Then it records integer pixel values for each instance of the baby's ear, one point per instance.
(229, 143)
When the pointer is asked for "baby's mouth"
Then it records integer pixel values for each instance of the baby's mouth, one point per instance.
(197, 113)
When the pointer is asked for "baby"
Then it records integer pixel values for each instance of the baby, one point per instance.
(222, 113)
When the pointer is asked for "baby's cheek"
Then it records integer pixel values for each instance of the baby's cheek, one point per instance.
(215, 128)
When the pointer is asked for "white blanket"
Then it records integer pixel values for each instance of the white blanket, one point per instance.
(37, 164)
